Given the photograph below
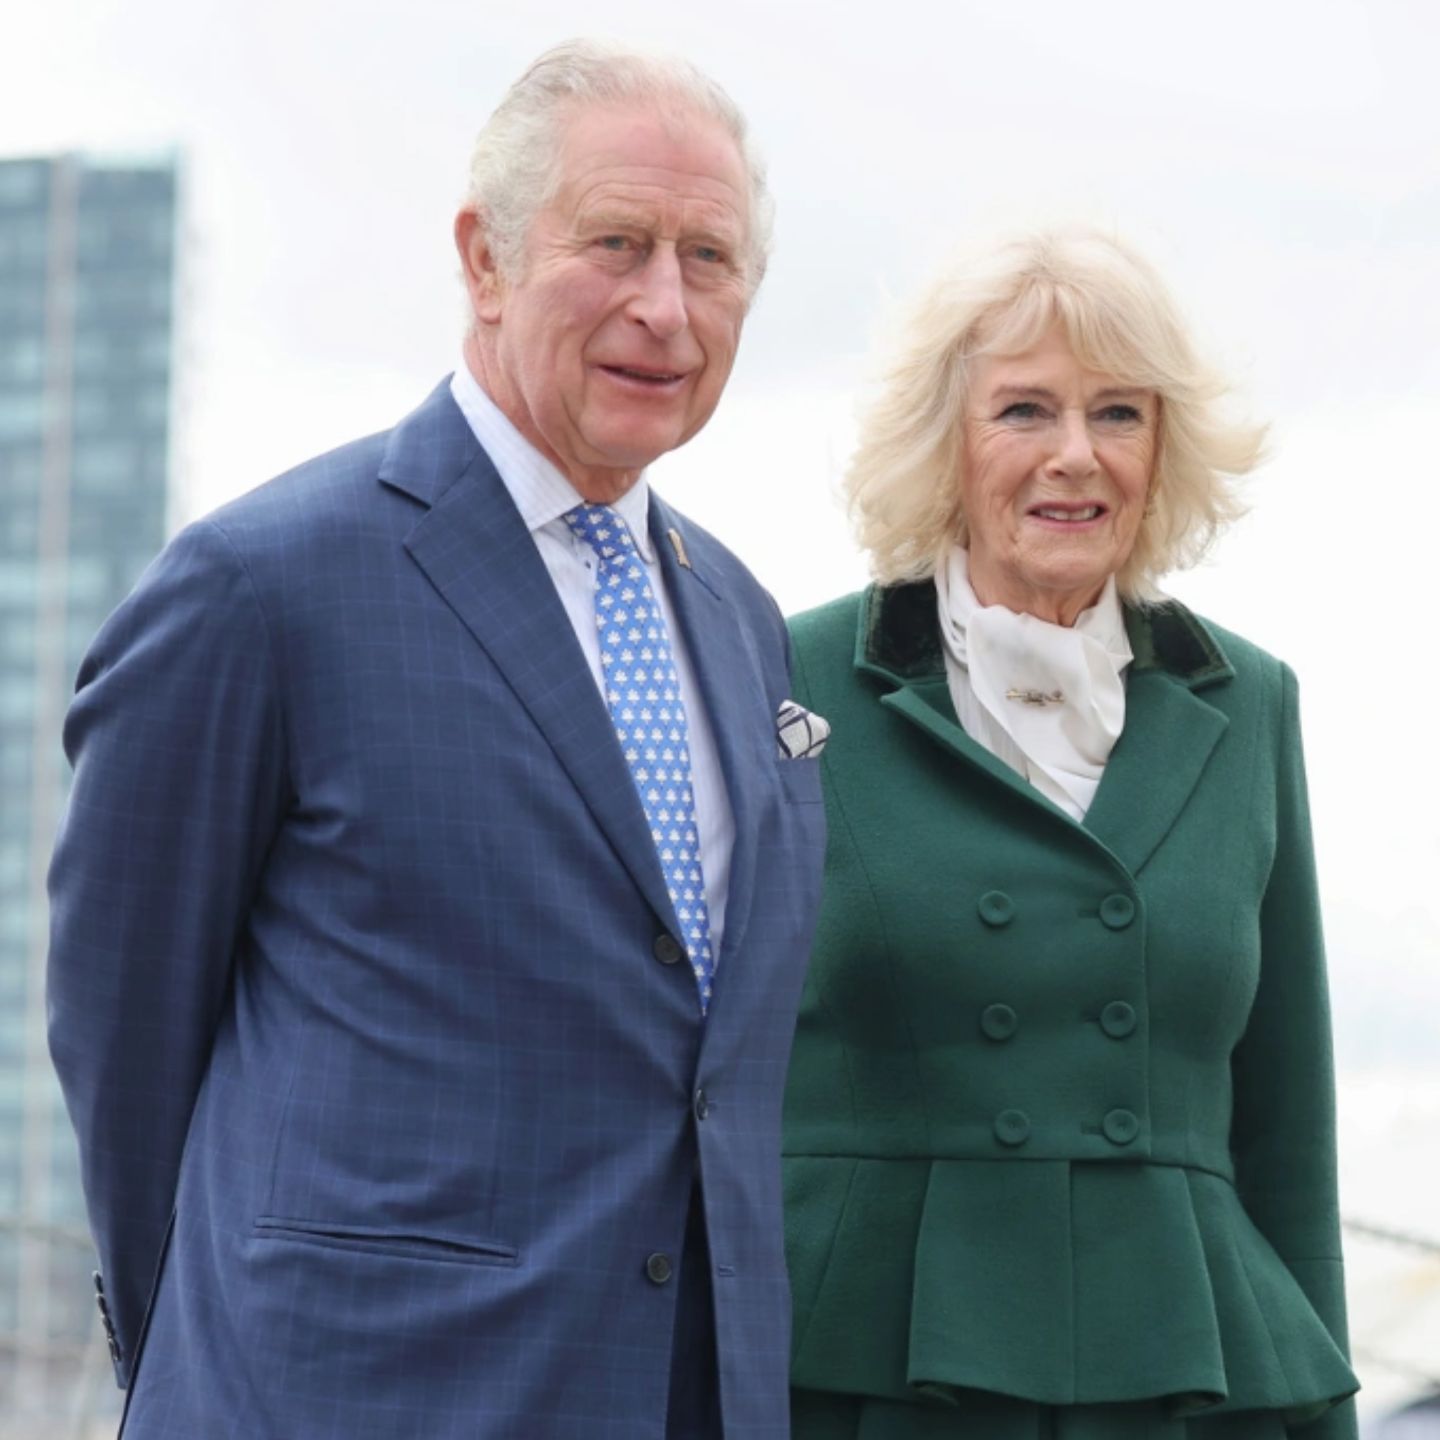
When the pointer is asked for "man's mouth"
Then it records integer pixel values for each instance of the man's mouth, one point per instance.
(645, 377)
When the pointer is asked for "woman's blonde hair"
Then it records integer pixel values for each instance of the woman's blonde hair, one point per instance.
(903, 484)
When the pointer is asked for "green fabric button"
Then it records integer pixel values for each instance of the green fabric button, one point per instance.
(999, 1022)
(1117, 911)
(1117, 1019)
(996, 908)
(1012, 1127)
(1120, 1127)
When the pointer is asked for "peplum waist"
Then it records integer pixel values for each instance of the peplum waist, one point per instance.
(1061, 1282)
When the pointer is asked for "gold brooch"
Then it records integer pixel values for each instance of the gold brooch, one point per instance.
(1036, 697)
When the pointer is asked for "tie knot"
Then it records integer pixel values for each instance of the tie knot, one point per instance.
(601, 528)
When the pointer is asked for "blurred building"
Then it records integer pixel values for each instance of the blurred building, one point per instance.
(87, 269)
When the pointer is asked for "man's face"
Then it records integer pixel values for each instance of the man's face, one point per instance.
(613, 344)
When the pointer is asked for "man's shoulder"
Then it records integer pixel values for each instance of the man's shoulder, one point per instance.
(340, 489)
(327, 482)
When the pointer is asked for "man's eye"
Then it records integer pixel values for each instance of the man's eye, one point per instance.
(614, 242)
(709, 254)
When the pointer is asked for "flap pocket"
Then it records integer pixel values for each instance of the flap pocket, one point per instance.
(380, 1240)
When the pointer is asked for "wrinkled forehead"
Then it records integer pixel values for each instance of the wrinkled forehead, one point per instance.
(668, 131)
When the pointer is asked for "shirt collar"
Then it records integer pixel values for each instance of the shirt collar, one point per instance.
(540, 492)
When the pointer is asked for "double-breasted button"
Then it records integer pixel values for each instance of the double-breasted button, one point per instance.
(668, 950)
(999, 1022)
(1117, 911)
(658, 1268)
(702, 1105)
(996, 908)
(1117, 1019)
(1120, 1126)
(1012, 1127)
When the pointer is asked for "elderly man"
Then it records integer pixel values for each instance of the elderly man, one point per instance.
(432, 905)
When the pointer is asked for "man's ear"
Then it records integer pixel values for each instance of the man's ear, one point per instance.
(483, 280)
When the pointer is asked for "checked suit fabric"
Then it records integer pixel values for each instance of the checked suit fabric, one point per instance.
(642, 691)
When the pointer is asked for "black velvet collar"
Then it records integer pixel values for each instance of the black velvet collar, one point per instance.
(899, 638)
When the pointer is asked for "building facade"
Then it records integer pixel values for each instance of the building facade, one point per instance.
(87, 300)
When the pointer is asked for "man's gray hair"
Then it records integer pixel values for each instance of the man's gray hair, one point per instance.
(514, 170)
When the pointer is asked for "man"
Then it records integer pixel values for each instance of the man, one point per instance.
(432, 905)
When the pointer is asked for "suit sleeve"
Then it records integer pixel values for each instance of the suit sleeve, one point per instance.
(1284, 1126)
(176, 738)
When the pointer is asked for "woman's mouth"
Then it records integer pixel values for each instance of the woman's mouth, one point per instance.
(1067, 514)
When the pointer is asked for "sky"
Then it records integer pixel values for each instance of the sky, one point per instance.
(1279, 161)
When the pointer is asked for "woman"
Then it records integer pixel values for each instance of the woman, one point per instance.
(1060, 1140)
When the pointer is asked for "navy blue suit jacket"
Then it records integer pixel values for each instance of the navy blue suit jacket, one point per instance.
(362, 992)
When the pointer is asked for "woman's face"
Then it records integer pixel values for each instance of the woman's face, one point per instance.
(1057, 463)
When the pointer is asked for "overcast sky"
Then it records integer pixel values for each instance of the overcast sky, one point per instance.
(1279, 161)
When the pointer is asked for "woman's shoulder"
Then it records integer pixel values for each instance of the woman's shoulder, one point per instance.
(834, 621)
(1200, 648)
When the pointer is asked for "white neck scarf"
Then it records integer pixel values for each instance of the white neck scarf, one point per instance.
(1047, 699)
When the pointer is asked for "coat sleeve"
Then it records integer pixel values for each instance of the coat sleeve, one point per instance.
(1283, 1135)
(176, 738)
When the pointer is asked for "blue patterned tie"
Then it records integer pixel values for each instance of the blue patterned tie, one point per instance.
(643, 693)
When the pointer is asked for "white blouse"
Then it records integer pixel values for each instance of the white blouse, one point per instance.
(1048, 700)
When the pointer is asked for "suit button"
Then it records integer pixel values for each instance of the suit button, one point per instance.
(999, 1022)
(668, 950)
(658, 1268)
(1117, 911)
(1117, 1019)
(1120, 1127)
(996, 908)
(1012, 1127)
(702, 1105)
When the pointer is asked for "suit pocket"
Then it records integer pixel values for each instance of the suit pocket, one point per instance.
(404, 1244)
(800, 780)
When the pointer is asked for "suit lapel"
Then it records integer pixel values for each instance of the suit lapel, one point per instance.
(728, 672)
(475, 550)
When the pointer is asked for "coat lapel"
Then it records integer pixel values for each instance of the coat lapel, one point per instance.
(729, 674)
(475, 550)
(1169, 735)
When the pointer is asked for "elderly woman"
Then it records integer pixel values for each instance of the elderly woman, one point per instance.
(1060, 1136)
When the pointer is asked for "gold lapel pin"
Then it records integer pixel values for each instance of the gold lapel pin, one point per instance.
(679, 545)
(1030, 697)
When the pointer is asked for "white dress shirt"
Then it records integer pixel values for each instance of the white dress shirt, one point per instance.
(995, 657)
(543, 495)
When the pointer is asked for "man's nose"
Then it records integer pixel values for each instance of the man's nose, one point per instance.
(659, 299)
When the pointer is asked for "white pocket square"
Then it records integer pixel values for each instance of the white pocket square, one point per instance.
(801, 733)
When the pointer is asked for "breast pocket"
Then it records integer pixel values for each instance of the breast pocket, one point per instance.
(800, 780)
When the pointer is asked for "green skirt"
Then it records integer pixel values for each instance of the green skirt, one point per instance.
(816, 1415)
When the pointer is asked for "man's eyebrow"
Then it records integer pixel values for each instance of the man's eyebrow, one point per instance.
(708, 230)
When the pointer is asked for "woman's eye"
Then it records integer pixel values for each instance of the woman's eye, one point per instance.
(1121, 415)
(1021, 410)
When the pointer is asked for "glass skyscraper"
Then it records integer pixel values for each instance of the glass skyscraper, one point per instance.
(87, 282)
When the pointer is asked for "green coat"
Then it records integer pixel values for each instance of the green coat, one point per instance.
(1060, 1122)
